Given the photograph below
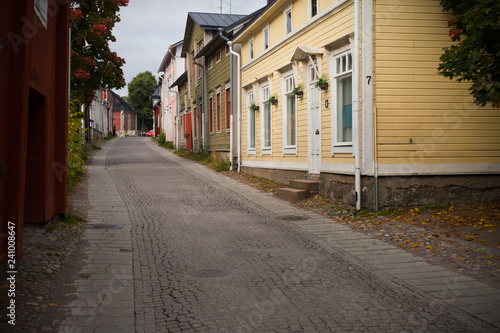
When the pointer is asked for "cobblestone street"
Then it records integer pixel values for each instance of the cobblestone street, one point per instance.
(207, 259)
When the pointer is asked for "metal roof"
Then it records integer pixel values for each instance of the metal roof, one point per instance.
(215, 21)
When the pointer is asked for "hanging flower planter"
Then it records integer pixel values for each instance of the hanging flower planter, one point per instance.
(186, 135)
(298, 91)
(322, 83)
(254, 107)
(273, 100)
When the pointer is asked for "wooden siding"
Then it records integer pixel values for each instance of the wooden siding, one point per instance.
(414, 103)
(321, 33)
(217, 77)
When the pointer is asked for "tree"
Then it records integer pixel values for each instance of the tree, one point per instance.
(475, 58)
(92, 21)
(140, 90)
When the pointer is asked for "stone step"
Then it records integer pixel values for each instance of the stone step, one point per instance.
(306, 184)
(292, 194)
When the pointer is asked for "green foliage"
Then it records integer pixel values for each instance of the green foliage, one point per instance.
(169, 145)
(92, 21)
(475, 58)
(140, 90)
(76, 149)
(221, 166)
(162, 139)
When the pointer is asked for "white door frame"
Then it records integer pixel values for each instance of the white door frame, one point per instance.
(314, 123)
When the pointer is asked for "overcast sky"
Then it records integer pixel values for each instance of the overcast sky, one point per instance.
(148, 27)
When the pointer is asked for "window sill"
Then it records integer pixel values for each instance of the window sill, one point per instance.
(347, 149)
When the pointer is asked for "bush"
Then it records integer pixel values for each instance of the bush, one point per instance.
(221, 166)
(162, 138)
(169, 145)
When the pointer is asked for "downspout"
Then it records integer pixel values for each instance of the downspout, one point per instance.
(231, 139)
(238, 101)
(203, 105)
(356, 117)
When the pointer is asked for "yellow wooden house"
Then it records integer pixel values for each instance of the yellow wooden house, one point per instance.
(360, 106)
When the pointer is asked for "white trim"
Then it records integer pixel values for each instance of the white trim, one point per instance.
(228, 87)
(298, 166)
(309, 9)
(218, 111)
(288, 150)
(250, 150)
(251, 49)
(339, 149)
(438, 169)
(264, 48)
(285, 16)
(322, 16)
(265, 150)
(367, 139)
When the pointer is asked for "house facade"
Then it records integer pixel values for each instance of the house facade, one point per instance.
(157, 112)
(101, 117)
(172, 67)
(360, 106)
(185, 129)
(124, 116)
(34, 62)
(201, 29)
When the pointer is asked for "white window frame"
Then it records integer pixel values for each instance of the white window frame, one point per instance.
(286, 91)
(339, 147)
(41, 9)
(228, 114)
(218, 111)
(285, 15)
(251, 49)
(210, 63)
(211, 119)
(265, 94)
(218, 56)
(250, 113)
(265, 33)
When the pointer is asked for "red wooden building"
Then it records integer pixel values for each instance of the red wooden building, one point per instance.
(34, 65)
(124, 115)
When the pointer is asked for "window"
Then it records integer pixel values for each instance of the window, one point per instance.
(251, 49)
(288, 21)
(210, 63)
(266, 38)
(227, 49)
(195, 116)
(217, 56)
(211, 114)
(41, 11)
(289, 116)
(251, 124)
(193, 69)
(343, 97)
(218, 111)
(314, 7)
(201, 121)
(266, 120)
(228, 108)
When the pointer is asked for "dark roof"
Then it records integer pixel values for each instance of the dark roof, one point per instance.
(120, 104)
(168, 56)
(180, 80)
(157, 93)
(207, 21)
(213, 21)
(217, 41)
(255, 15)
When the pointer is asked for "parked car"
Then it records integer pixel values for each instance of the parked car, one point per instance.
(150, 133)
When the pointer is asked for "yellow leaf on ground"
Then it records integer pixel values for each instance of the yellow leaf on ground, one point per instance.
(53, 304)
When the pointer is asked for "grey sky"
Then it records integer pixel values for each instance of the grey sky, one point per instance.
(148, 27)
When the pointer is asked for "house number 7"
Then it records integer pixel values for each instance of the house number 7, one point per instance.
(369, 78)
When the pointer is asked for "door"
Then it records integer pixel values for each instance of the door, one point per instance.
(188, 132)
(314, 124)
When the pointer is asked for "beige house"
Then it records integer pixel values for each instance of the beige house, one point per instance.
(360, 106)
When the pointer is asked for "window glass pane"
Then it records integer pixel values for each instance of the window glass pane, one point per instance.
(350, 61)
(252, 123)
(338, 65)
(290, 120)
(344, 109)
(289, 21)
(343, 63)
(314, 7)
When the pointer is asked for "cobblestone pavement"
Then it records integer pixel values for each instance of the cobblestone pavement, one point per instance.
(206, 259)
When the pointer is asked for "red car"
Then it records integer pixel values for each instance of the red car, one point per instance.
(150, 133)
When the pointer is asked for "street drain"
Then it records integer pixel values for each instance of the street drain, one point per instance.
(209, 273)
(107, 226)
(241, 254)
(293, 218)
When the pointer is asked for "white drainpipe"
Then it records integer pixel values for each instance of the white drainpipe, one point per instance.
(356, 118)
(238, 103)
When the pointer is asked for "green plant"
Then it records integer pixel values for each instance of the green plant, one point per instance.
(273, 99)
(162, 138)
(322, 82)
(254, 107)
(169, 145)
(298, 90)
(221, 166)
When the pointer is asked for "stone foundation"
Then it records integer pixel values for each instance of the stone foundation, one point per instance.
(396, 190)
